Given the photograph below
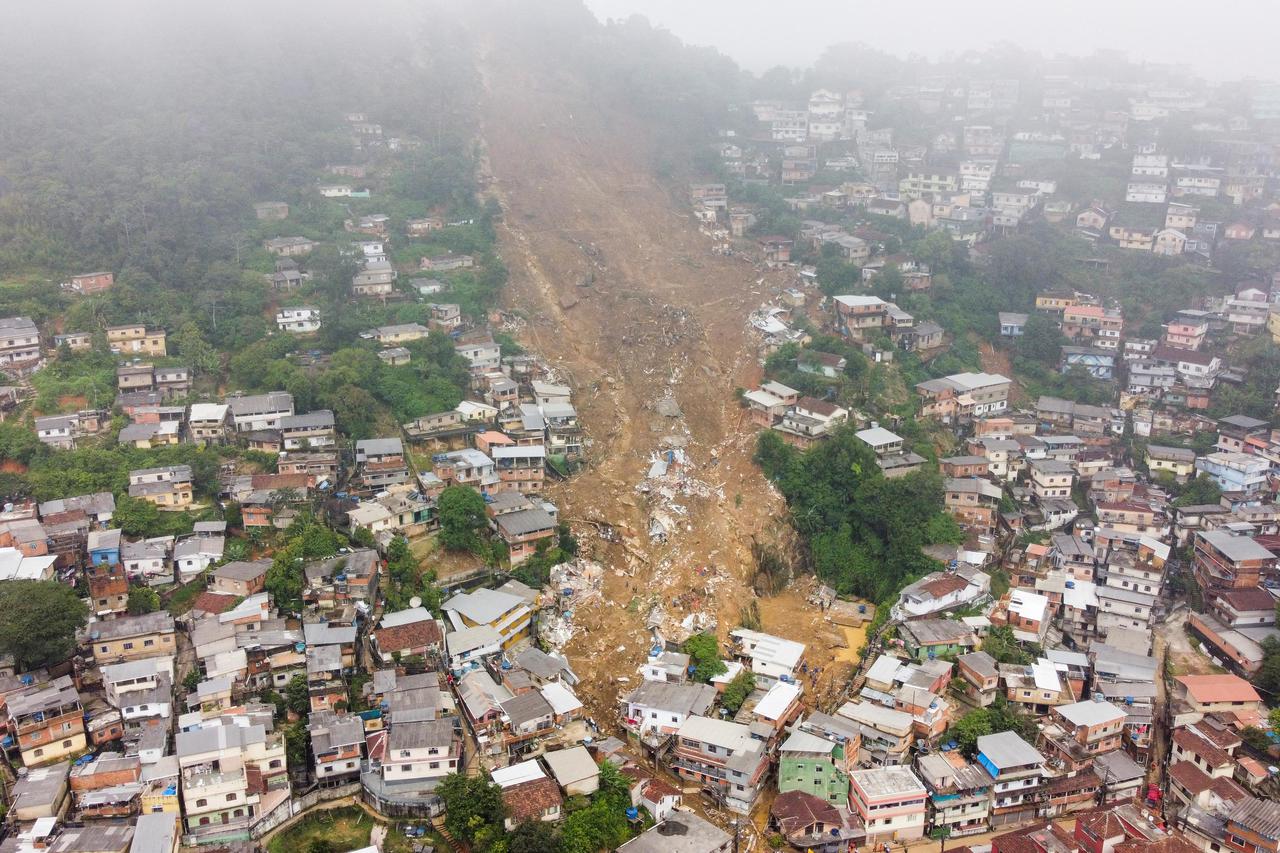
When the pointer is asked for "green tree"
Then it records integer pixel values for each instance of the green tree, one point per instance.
(1201, 490)
(190, 344)
(143, 599)
(38, 622)
(1041, 340)
(737, 691)
(297, 744)
(297, 695)
(967, 729)
(532, 836)
(471, 804)
(462, 516)
(704, 656)
(1002, 645)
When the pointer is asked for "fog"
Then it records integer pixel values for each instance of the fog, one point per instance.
(1220, 41)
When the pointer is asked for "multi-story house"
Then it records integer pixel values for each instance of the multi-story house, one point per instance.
(1240, 473)
(225, 770)
(959, 799)
(891, 803)
(886, 733)
(298, 319)
(169, 487)
(421, 750)
(376, 279)
(963, 397)
(131, 638)
(47, 721)
(136, 339)
(254, 412)
(1079, 732)
(816, 765)
(310, 431)
(380, 462)
(207, 422)
(973, 502)
(1051, 478)
(19, 346)
(857, 314)
(723, 758)
(511, 616)
(662, 707)
(1226, 560)
(1094, 325)
(1017, 771)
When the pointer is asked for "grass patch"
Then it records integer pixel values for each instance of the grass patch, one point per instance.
(345, 829)
(183, 597)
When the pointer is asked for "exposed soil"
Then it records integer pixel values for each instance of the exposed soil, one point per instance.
(625, 299)
(997, 361)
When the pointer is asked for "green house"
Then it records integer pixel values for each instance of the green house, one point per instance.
(812, 764)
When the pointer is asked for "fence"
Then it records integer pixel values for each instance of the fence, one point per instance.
(290, 809)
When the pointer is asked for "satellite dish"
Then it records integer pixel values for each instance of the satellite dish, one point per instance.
(416, 601)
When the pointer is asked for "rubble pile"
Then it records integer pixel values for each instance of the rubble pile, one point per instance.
(572, 584)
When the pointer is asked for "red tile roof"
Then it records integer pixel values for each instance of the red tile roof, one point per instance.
(213, 602)
(1190, 777)
(528, 800)
(1211, 689)
(1213, 756)
(415, 635)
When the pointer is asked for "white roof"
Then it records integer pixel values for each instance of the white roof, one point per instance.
(525, 771)
(15, 567)
(719, 732)
(1045, 675)
(878, 436)
(1029, 605)
(208, 411)
(805, 742)
(483, 606)
(884, 669)
(776, 702)
(559, 697)
(404, 617)
(571, 765)
(785, 653)
(1090, 713)
(859, 301)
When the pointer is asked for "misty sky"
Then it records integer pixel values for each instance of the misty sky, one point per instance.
(1224, 39)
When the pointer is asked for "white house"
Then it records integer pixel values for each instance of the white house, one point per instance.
(301, 320)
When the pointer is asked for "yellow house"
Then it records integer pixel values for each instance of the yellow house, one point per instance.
(136, 338)
(168, 488)
(508, 614)
(1178, 461)
(132, 638)
(1273, 326)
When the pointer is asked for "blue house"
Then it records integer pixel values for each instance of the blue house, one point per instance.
(104, 547)
(1098, 363)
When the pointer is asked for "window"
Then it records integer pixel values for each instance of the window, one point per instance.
(104, 650)
(204, 821)
(126, 645)
(146, 643)
(202, 803)
(435, 765)
(406, 768)
(38, 753)
(66, 744)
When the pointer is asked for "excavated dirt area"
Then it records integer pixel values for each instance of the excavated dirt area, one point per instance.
(623, 296)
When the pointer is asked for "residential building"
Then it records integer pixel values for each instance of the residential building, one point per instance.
(723, 758)
(891, 803)
(1017, 771)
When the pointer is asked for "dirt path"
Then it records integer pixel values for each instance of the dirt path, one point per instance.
(625, 299)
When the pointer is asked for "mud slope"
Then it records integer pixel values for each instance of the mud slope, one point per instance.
(624, 296)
